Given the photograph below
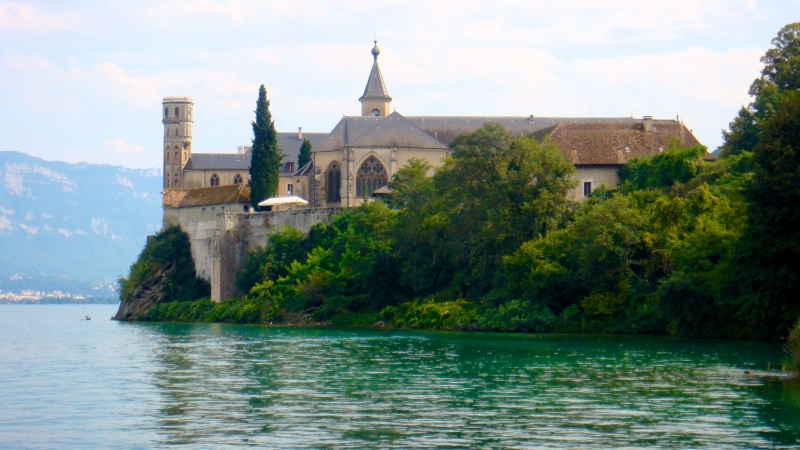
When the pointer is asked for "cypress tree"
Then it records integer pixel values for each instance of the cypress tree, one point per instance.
(266, 159)
(305, 154)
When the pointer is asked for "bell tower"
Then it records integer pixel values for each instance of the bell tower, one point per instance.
(177, 120)
(376, 100)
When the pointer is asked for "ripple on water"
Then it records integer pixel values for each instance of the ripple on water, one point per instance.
(200, 386)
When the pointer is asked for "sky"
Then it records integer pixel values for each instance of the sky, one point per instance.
(83, 81)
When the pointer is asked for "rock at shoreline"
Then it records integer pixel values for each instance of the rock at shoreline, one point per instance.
(147, 294)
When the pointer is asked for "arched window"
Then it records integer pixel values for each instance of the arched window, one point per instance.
(333, 183)
(214, 180)
(237, 179)
(166, 112)
(176, 111)
(176, 156)
(176, 132)
(371, 176)
(175, 183)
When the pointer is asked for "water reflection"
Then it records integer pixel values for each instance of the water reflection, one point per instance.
(231, 385)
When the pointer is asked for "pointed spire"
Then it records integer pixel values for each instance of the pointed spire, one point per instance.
(376, 89)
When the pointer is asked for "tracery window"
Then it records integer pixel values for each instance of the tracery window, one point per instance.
(333, 183)
(214, 180)
(371, 176)
(237, 179)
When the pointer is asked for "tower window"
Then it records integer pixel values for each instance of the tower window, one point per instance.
(214, 180)
(237, 179)
(371, 177)
(176, 156)
(176, 111)
(176, 132)
(166, 112)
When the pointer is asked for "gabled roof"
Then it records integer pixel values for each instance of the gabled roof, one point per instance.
(375, 88)
(289, 143)
(217, 195)
(392, 131)
(615, 143)
(445, 128)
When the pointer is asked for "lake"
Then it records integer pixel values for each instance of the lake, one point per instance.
(70, 383)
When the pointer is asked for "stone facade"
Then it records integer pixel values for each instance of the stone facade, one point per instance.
(220, 242)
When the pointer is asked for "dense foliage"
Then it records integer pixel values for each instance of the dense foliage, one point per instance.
(266, 158)
(167, 251)
(304, 157)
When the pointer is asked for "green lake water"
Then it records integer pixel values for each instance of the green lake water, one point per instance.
(71, 383)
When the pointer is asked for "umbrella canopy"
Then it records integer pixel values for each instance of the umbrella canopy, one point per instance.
(286, 200)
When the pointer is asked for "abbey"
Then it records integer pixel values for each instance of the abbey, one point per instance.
(361, 153)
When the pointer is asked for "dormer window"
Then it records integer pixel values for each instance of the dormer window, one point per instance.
(376, 113)
(290, 167)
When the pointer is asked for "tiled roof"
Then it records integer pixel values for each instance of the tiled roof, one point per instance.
(217, 195)
(376, 88)
(445, 128)
(615, 143)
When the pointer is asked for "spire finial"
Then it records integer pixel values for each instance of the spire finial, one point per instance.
(376, 51)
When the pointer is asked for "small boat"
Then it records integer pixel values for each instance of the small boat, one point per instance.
(88, 318)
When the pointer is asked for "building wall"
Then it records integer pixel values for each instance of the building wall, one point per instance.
(607, 176)
(202, 178)
(219, 242)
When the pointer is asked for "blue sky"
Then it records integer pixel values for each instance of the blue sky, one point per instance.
(83, 80)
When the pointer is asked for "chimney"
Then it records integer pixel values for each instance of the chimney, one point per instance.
(299, 133)
(648, 123)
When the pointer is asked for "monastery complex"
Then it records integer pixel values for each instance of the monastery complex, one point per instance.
(357, 158)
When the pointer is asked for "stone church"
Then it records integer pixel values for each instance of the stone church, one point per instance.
(361, 153)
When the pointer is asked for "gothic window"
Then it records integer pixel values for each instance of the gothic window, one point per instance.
(333, 183)
(371, 176)
(176, 111)
(214, 180)
(237, 179)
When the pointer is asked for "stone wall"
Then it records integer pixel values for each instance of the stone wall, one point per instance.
(220, 243)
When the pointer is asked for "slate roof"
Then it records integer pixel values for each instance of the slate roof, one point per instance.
(287, 142)
(376, 88)
(392, 131)
(607, 143)
(217, 195)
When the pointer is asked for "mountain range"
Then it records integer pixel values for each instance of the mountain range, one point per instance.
(72, 226)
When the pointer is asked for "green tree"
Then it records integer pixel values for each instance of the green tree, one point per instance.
(305, 154)
(266, 156)
(781, 72)
(769, 259)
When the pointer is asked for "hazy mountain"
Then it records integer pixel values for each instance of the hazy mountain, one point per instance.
(72, 222)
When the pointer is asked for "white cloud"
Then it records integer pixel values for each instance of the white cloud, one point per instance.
(6, 211)
(19, 17)
(6, 224)
(120, 146)
(65, 233)
(46, 216)
(80, 232)
(32, 230)
(99, 226)
(29, 216)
